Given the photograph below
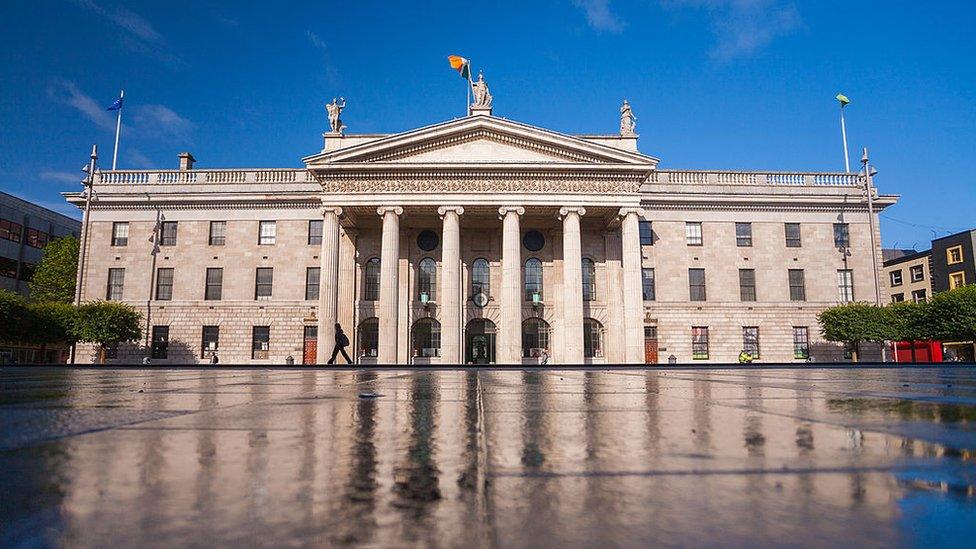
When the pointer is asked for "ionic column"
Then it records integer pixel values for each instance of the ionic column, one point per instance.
(572, 285)
(389, 281)
(633, 295)
(328, 284)
(509, 341)
(450, 290)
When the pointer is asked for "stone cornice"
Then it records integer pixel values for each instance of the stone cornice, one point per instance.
(467, 184)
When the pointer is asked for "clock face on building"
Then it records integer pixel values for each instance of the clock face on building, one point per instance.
(480, 299)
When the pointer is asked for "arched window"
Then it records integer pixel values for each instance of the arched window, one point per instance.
(369, 337)
(426, 338)
(592, 338)
(589, 280)
(535, 337)
(533, 279)
(426, 279)
(371, 288)
(480, 277)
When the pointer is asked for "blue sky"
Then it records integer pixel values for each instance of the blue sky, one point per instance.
(723, 84)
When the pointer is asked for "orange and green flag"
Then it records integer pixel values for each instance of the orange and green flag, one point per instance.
(462, 65)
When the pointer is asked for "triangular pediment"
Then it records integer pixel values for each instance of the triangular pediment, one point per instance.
(480, 140)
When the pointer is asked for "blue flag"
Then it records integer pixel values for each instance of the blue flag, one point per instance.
(116, 106)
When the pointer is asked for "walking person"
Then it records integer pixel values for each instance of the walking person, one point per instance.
(341, 342)
(213, 358)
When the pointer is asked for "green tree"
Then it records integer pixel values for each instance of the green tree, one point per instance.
(910, 321)
(952, 315)
(106, 323)
(854, 323)
(14, 316)
(56, 274)
(51, 322)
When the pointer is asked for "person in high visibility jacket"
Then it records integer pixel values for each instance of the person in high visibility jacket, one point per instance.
(745, 357)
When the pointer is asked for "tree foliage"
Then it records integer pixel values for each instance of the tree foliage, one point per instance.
(106, 323)
(854, 323)
(14, 316)
(56, 274)
(951, 316)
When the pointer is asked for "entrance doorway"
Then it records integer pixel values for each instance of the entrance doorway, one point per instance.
(479, 342)
(310, 345)
(650, 344)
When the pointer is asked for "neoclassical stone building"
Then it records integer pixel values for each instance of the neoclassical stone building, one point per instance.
(478, 240)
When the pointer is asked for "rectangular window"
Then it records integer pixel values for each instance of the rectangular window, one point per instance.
(895, 277)
(36, 238)
(918, 296)
(215, 284)
(315, 231)
(696, 284)
(211, 337)
(168, 233)
(647, 284)
(957, 280)
(801, 342)
(10, 230)
(793, 235)
(8, 267)
(693, 233)
(743, 235)
(747, 284)
(312, 282)
(845, 285)
(842, 235)
(750, 340)
(798, 290)
(27, 271)
(160, 341)
(164, 284)
(120, 233)
(260, 341)
(646, 232)
(897, 298)
(267, 233)
(263, 280)
(917, 273)
(218, 233)
(699, 343)
(116, 280)
(954, 255)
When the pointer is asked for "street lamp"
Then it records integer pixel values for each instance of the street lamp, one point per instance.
(89, 184)
(869, 172)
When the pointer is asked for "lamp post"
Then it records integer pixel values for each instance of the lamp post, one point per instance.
(89, 184)
(869, 189)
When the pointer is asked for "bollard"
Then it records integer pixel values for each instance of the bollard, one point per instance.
(290, 361)
(672, 359)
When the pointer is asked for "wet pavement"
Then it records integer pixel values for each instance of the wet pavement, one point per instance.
(502, 457)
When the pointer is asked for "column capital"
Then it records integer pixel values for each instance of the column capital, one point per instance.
(566, 210)
(442, 211)
(506, 209)
(624, 212)
(331, 209)
(383, 210)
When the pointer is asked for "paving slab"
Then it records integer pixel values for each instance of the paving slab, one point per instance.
(487, 457)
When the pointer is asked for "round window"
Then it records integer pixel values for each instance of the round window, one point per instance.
(533, 241)
(427, 240)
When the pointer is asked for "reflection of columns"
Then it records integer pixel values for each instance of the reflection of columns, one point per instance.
(450, 290)
(633, 295)
(389, 281)
(572, 285)
(509, 342)
(328, 284)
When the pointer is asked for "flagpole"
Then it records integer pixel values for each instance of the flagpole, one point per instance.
(843, 133)
(118, 129)
(467, 106)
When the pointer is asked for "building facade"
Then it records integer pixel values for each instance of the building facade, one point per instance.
(909, 277)
(25, 229)
(479, 240)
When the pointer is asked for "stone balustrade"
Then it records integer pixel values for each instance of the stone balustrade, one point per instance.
(291, 175)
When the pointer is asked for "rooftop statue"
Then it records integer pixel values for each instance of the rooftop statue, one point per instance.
(335, 109)
(628, 122)
(482, 97)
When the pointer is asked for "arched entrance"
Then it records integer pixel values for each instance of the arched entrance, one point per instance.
(479, 342)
